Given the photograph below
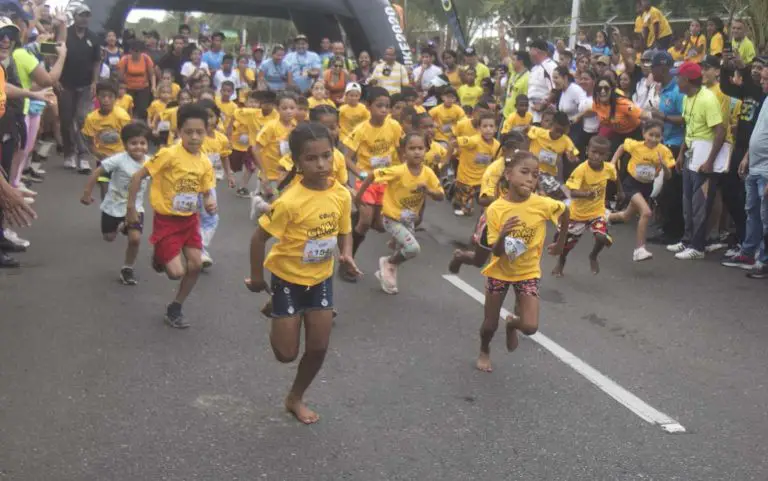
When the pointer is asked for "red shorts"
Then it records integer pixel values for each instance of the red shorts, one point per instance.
(171, 233)
(239, 159)
(374, 195)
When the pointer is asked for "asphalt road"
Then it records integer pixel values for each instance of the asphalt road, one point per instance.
(93, 385)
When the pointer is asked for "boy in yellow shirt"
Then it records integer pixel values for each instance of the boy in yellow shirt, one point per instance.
(102, 128)
(550, 145)
(352, 113)
(169, 117)
(521, 118)
(469, 93)
(587, 189)
(246, 125)
(272, 143)
(475, 154)
(225, 103)
(155, 110)
(302, 110)
(447, 115)
(180, 173)
(124, 99)
(166, 78)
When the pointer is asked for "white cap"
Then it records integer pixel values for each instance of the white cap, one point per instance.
(353, 87)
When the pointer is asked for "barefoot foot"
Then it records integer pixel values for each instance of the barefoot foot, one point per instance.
(512, 340)
(484, 362)
(594, 265)
(558, 270)
(456, 261)
(301, 411)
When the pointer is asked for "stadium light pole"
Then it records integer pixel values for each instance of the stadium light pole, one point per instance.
(575, 7)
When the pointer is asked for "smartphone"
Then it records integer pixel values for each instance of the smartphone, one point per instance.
(48, 48)
(727, 48)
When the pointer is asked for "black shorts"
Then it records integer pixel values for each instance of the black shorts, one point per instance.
(289, 300)
(110, 225)
(633, 186)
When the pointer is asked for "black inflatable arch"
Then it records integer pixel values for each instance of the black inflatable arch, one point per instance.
(371, 25)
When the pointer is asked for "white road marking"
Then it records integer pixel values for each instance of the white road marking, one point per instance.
(625, 398)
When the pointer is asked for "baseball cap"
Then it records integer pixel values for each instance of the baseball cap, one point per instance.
(710, 61)
(78, 8)
(662, 59)
(604, 59)
(258, 47)
(647, 56)
(690, 70)
(6, 22)
(539, 45)
(300, 36)
(13, 7)
(353, 87)
(470, 52)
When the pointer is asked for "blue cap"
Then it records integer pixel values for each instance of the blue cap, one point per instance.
(663, 59)
(13, 7)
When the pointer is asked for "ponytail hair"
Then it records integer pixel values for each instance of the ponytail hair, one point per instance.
(302, 134)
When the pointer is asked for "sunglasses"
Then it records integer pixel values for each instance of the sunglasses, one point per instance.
(338, 66)
(10, 33)
(604, 88)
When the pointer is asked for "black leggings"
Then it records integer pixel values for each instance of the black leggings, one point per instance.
(141, 100)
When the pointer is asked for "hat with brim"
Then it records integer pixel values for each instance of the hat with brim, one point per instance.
(6, 22)
(604, 59)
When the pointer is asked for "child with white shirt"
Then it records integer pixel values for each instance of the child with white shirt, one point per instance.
(227, 73)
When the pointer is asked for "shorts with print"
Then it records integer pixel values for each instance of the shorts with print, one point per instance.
(172, 233)
(465, 194)
(110, 225)
(374, 195)
(290, 299)
(577, 228)
(239, 159)
(528, 287)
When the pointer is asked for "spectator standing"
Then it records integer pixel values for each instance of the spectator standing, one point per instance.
(325, 50)
(740, 43)
(364, 69)
(519, 66)
(137, 71)
(336, 79)
(426, 72)
(274, 71)
(215, 56)
(338, 49)
(78, 86)
(390, 74)
(695, 43)
(174, 59)
(152, 44)
(195, 67)
(481, 70)
(451, 68)
(112, 51)
(656, 30)
(540, 80)
(602, 45)
(257, 58)
(304, 65)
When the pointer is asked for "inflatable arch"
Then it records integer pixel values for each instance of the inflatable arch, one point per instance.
(371, 25)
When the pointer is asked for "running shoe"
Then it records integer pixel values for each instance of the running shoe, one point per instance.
(243, 192)
(26, 190)
(33, 176)
(732, 252)
(690, 254)
(759, 272)
(641, 254)
(174, 317)
(127, 277)
(387, 276)
(676, 248)
(741, 261)
(12, 236)
(84, 167)
(258, 206)
(207, 260)
(8, 246)
(8, 262)
(70, 162)
(459, 213)
(715, 246)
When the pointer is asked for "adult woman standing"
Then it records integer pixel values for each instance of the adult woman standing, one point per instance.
(336, 79)
(274, 72)
(602, 45)
(451, 68)
(570, 98)
(590, 123)
(138, 72)
(619, 117)
(364, 69)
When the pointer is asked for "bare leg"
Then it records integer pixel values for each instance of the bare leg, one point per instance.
(600, 243)
(194, 266)
(558, 270)
(132, 250)
(492, 311)
(645, 217)
(528, 322)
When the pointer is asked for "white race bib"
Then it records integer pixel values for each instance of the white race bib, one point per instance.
(319, 250)
(645, 173)
(186, 202)
(483, 159)
(408, 216)
(446, 128)
(380, 162)
(109, 137)
(215, 160)
(114, 61)
(514, 247)
(547, 157)
(284, 149)
(164, 126)
(243, 139)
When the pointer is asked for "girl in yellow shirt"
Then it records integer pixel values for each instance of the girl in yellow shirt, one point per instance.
(272, 143)
(311, 221)
(475, 154)
(319, 95)
(156, 109)
(408, 186)
(647, 159)
(517, 229)
(170, 115)
(124, 99)
(716, 36)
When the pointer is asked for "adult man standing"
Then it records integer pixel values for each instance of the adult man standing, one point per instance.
(338, 49)
(258, 57)
(325, 50)
(741, 43)
(152, 42)
(215, 55)
(389, 74)
(705, 131)
(481, 70)
(303, 64)
(78, 81)
(425, 72)
(519, 64)
(173, 60)
(540, 79)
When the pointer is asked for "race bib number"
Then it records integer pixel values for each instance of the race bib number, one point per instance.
(547, 157)
(514, 247)
(164, 126)
(408, 216)
(215, 160)
(380, 162)
(186, 202)
(645, 173)
(109, 137)
(243, 139)
(114, 61)
(319, 250)
(284, 150)
(446, 128)
(483, 159)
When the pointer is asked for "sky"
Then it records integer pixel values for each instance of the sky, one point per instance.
(134, 16)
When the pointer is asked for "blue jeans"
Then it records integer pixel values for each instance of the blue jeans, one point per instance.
(757, 215)
(698, 196)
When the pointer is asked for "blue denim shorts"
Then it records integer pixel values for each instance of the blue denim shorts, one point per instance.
(289, 300)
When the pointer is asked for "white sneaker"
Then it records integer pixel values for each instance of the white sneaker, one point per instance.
(26, 190)
(36, 166)
(13, 237)
(85, 167)
(258, 206)
(70, 162)
(732, 252)
(641, 254)
(207, 261)
(689, 254)
(458, 213)
(715, 246)
(679, 247)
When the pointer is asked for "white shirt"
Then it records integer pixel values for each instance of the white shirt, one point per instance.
(591, 122)
(571, 100)
(540, 84)
(189, 68)
(429, 74)
(646, 94)
(221, 77)
(121, 168)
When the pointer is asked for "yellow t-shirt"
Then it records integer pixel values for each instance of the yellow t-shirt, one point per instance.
(168, 121)
(419, 109)
(469, 95)
(475, 155)
(465, 128)
(436, 156)
(446, 119)
(716, 44)
(227, 109)
(652, 17)
(338, 169)
(306, 224)
(644, 162)
(677, 55)
(261, 119)
(216, 147)
(350, 117)
(245, 89)
(400, 202)
(125, 102)
(245, 126)
(639, 25)
(491, 178)
(534, 213)
(105, 130)
(273, 140)
(515, 120)
(731, 111)
(155, 109)
(178, 176)
(547, 150)
(313, 102)
(375, 146)
(695, 48)
(587, 179)
(745, 49)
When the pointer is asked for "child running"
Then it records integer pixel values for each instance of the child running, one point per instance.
(272, 143)
(587, 190)
(180, 173)
(475, 154)
(154, 113)
(517, 230)
(521, 117)
(447, 115)
(352, 113)
(408, 185)
(246, 126)
(120, 168)
(170, 115)
(647, 159)
(319, 95)
(550, 145)
(309, 221)
(124, 99)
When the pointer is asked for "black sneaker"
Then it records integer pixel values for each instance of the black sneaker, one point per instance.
(174, 317)
(33, 175)
(8, 246)
(127, 277)
(758, 273)
(8, 262)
